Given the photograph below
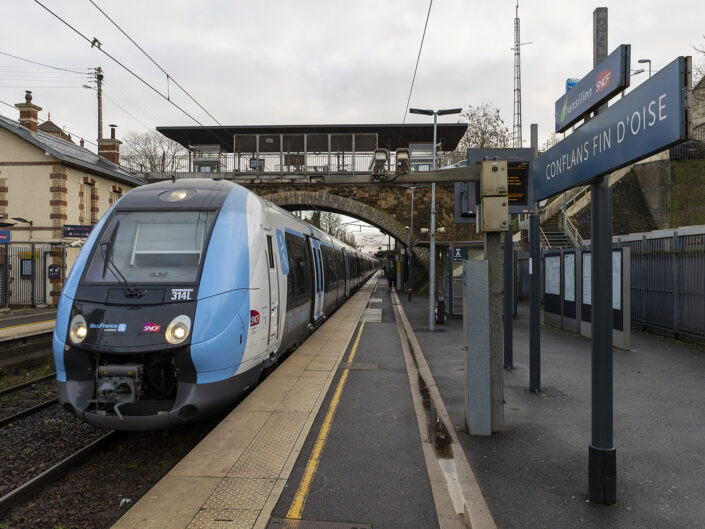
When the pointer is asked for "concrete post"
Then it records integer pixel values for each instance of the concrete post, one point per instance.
(496, 335)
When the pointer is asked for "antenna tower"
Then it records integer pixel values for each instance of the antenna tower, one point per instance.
(517, 82)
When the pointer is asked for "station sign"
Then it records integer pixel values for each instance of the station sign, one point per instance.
(608, 78)
(649, 119)
(76, 230)
(4, 236)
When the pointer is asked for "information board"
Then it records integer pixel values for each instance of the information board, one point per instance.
(553, 275)
(617, 280)
(587, 278)
(517, 183)
(569, 277)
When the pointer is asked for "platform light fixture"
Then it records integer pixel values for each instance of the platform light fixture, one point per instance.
(644, 61)
(432, 268)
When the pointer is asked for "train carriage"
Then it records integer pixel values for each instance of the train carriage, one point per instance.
(183, 294)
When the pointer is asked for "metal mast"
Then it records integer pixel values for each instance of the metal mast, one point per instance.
(517, 81)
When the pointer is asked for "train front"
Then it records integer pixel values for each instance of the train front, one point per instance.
(150, 330)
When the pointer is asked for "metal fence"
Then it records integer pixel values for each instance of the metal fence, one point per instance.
(667, 281)
(24, 274)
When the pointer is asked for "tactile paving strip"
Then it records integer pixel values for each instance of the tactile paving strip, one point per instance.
(303, 395)
(372, 315)
(232, 493)
(224, 519)
(266, 454)
(281, 523)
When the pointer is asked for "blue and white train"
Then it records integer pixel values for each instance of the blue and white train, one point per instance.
(183, 294)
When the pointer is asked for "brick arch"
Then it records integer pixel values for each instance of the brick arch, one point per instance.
(325, 201)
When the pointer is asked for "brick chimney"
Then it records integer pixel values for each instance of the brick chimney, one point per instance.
(29, 112)
(110, 148)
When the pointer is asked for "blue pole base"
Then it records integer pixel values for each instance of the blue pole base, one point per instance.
(602, 475)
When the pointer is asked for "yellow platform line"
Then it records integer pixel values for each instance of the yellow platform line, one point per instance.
(26, 324)
(297, 505)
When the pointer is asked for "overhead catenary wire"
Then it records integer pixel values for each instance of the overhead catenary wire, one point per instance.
(418, 58)
(168, 77)
(97, 44)
(41, 64)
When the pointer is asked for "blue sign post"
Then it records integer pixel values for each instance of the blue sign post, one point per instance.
(608, 78)
(649, 119)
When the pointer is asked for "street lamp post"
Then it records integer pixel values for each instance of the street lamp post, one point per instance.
(644, 61)
(432, 228)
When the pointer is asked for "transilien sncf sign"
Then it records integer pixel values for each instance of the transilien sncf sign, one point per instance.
(608, 78)
(651, 118)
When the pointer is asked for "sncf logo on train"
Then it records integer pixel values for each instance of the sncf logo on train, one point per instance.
(254, 318)
(151, 327)
(181, 294)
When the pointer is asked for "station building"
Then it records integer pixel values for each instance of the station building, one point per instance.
(47, 182)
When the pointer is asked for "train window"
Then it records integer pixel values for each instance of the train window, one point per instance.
(154, 247)
(300, 271)
(270, 253)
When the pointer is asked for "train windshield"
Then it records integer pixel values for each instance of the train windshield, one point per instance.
(151, 247)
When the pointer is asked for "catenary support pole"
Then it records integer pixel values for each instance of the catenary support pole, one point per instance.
(508, 297)
(410, 256)
(602, 458)
(534, 288)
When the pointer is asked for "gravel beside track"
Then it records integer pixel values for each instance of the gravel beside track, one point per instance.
(34, 443)
(90, 496)
(24, 398)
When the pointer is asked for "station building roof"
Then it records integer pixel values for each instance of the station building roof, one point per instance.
(70, 153)
(389, 136)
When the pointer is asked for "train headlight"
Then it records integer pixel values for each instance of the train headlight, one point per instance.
(78, 329)
(178, 329)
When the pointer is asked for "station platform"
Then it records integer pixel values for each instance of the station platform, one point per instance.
(341, 435)
(363, 427)
(24, 323)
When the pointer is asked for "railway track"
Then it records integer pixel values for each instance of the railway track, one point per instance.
(37, 483)
(27, 398)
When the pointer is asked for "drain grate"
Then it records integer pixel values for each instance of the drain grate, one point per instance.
(361, 366)
(282, 523)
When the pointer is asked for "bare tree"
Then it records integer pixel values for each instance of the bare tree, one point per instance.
(699, 63)
(550, 142)
(486, 129)
(150, 152)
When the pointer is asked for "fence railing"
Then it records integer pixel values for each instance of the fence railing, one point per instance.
(667, 281)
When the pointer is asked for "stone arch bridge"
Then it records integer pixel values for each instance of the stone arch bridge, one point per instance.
(385, 206)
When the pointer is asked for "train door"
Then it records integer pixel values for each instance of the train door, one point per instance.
(317, 305)
(347, 273)
(273, 294)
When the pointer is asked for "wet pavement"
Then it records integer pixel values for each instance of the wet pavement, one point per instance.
(535, 473)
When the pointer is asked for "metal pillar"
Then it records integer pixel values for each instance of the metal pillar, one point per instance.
(602, 456)
(432, 233)
(99, 82)
(508, 297)
(410, 258)
(534, 303)
(534, 288)
(493, 257)
(34, 274)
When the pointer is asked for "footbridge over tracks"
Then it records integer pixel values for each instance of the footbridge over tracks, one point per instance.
(327, 167)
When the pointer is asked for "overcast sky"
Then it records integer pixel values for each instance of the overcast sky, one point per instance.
(327, 61)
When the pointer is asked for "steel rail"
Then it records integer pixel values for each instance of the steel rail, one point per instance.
(17, 387)
(35, 484)
(28, 411)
